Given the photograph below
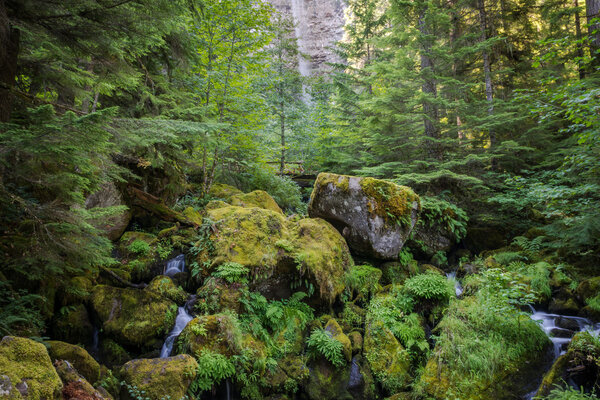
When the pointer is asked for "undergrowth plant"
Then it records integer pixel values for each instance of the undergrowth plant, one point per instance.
(321, 343)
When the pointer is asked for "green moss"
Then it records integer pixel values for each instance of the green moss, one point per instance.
(338, 334)
(164, 286)
(257, 198)
(222, 191)
(391, 201)
(113, 354)
(254, 237)
(193, 216)
(132, 316)
(388, 360)
(76, 386)
(26, 366)
(77, 290)
(83, 362)
(218, 333)
(160, 378)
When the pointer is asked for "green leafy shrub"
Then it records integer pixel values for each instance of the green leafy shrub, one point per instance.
(321, 343)
(212, 369)
(232, 272)
(508, 257)
(594, 302)
(570, 393)
(139, 247)
(437, 211)
(164, 249)
(362, 279)
(429, 286)
(19, 311)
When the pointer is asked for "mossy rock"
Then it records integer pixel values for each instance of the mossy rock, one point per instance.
(588, 289)
(217, 295)
(193, 216)
(375, 216)
(133, 316)
(223, 191)
(578, 365)
(291, 338)
(113, 354)
(566, 306)
(26, 371)
(396, 272)
(279, 252)
(257, 198)
(130, 237)
(338, 334)
(217, 333)
(76, 386)
(160, 378)
(327, 382)
(294, 367)
(74, 326)
(164, 286)
(76, 290)
(83, 362)
(389, 361)
(356, 340)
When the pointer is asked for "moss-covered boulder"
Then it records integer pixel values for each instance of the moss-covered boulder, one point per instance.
(193, 216)
(376, 217)
(76, 387)
(257, 198)
(280, 252)
(388, 360)
(73, 326)
(579, 365)
(164, 286)
(588, 289)
(159, 378)
(133, 316)
(76, 290)
(83, 362)
(26, 371)
(217, 333)
(352, 382)
(338, 334)
(223, 191)
(113, 354)
(218, 295)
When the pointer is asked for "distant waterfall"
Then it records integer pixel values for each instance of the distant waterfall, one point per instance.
(300, 29)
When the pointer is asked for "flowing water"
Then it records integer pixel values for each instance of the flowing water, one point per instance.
(458, 290)
(183, 317)
(175, 265)
(561, 329)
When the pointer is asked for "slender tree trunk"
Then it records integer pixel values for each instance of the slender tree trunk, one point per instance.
(429, 88)
(282, 161)
(487, 69)
(579, 51)
(593, 11)
(453, 38)
(9, 51)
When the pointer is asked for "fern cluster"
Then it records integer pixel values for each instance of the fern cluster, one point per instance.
(321, 343)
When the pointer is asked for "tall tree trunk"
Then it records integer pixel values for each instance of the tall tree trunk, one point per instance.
(429, 88)
(593, 11)
(579, 51)
(9, 51)
(282, 160)
(487, 69)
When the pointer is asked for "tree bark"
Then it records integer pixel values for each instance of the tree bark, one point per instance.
(579, 51)
(9, 51)
(593, 11)
(487, 69)
(429, 88)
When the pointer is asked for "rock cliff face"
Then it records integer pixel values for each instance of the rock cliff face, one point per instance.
(319, 25)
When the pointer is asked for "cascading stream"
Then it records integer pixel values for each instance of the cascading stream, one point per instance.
(175, 265)
(181, 321)
(458, 289)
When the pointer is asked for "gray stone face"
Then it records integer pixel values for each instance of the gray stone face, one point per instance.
(109, 196)
(319, 25)
(374, 216)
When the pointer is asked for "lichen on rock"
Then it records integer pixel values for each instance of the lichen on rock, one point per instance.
(375, 216)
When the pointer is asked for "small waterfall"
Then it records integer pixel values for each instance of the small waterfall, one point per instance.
(96, 339)
(458, 289)
(175, 265)
(562, 328)
(227, 389)
(182, 319)
(300, 26)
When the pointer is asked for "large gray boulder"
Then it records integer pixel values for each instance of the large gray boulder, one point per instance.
(110, 196)
(375, 216)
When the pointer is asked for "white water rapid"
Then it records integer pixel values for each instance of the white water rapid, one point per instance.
(458, 290)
